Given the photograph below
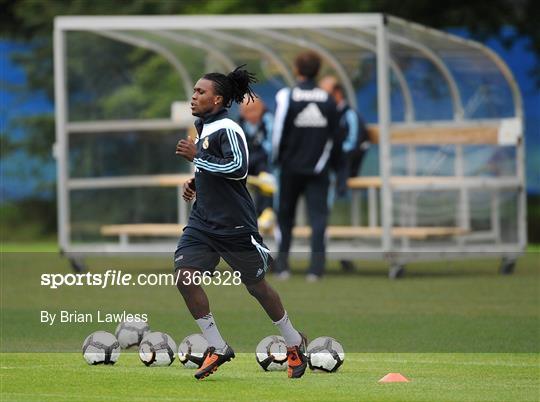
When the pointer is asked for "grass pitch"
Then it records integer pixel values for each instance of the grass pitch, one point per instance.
(434, 377)
(457, 330)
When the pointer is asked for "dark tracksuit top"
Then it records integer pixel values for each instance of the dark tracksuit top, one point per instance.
(306, 133)
(350, 124)
(305, 143)
(259, 143)
(223, 206)
(354, 135)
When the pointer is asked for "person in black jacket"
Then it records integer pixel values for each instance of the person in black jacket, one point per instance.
(305, 143)
(257, 122)
(353, 131)
(223, 222)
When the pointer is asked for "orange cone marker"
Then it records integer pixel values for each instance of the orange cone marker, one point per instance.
(393, 377)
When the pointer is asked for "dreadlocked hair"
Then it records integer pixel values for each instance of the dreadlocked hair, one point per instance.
(233, 86)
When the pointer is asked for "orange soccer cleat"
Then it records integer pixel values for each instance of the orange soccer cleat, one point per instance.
(212, 361)
(297, 359)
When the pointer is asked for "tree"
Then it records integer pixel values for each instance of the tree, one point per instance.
(31, 22)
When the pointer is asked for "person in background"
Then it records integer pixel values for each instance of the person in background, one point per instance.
(304, 144)
(257, 123)
(353, 132)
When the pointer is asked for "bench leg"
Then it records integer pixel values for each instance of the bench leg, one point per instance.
(124, 239)
(396, 271)
(347, 265)
(507, 266)
(77, 264)
(356, 206)
(372, 207)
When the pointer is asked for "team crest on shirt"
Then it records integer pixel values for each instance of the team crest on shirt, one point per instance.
(205, 143)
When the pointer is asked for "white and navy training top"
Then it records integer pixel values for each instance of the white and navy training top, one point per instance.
(223, 206)
(305, 137)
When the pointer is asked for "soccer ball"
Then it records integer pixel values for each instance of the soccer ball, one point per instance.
(157, 349)
(131, 333)
(325, 354)
(101, 347)
(192, 351)
(271, 353)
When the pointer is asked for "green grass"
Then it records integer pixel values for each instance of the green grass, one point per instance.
(29, 247)
(458, 330)
(52, 246)
(433, 377)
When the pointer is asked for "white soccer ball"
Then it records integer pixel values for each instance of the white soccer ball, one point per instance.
(271, 353)
(101, 347)
(157, 349)
(192, 351)
(325, 354)
(131, 333)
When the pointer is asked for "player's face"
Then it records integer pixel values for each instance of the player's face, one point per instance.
(204, 100)
(327, 84)
(252, 111)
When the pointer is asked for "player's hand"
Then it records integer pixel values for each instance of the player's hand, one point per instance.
(188, 190)
(187, 149)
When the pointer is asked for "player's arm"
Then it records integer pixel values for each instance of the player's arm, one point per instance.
(352, 131)
(186, 148)
(336, 136)
(268, 121)
(234, 163)
(282, 108)
(188, 190)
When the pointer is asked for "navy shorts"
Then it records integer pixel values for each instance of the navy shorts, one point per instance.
(245, 253)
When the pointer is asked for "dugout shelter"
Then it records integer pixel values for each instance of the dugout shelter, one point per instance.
(444, 177)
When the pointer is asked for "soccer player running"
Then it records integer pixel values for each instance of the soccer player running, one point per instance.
(223, 221)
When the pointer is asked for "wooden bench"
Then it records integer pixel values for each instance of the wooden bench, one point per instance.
(421, 134)
(432, 182)
(333, 232)
(143, 230)
(438, 134)
(350, 232)
(402, 181)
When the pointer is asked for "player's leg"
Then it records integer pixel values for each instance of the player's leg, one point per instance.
(342, 175)
(248, 255)
(269, 300)
(194, 250)
(199, 307)
(194, 295)
(317, 207)
(218, 351)
(296, 342)
(290, 188)
(355, 162)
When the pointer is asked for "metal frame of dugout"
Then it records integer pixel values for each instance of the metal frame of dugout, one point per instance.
(387, 227)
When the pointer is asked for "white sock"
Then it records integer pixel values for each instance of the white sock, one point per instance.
(291, 335)
(211, 333)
